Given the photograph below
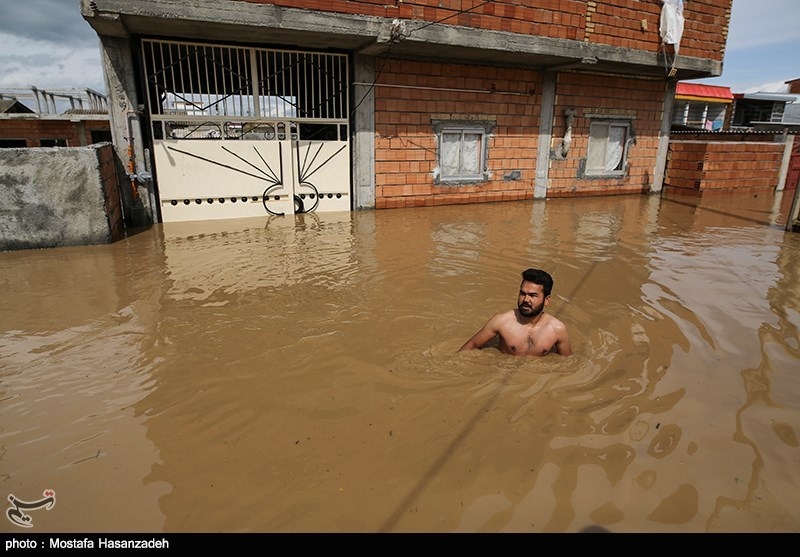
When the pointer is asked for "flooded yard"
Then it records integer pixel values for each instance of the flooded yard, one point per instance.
(301, 373)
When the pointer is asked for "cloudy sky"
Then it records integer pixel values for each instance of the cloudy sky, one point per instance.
(48, 44)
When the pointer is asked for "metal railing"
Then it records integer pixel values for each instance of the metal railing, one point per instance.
(195, 81)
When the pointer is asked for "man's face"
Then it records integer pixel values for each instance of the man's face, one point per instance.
(531, 300)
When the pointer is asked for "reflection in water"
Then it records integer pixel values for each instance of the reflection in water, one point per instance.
(300, 374)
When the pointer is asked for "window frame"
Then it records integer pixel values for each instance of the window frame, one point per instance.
(609, 122)
(483, 128)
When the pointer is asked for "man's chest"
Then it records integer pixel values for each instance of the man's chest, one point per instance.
(528, 341)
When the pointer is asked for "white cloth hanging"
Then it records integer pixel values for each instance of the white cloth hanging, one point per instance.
(672, 23)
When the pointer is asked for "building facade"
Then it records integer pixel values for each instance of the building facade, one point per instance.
(36, 117)
(233, 108)
(701, 107)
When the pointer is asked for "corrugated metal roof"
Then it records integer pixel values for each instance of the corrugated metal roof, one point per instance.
(698, 90)
(86, 111)
(768, 97)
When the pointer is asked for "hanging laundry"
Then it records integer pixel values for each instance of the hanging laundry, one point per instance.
(672, 23)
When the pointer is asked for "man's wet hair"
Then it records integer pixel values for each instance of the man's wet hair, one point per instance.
(542, 278)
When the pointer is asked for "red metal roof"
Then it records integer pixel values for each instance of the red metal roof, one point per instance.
(703, 91)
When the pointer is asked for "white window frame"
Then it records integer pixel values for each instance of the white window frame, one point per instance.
(463, 174)
(699, 115)
(599, 145)
(778, 108)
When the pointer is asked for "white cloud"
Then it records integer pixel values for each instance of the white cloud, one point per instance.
(773, 87)
(27, 62)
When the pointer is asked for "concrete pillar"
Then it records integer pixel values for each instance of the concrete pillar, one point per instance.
(545, 135)
(124, 112)
(80, 126)
(793, 220)
(663, 138)
(364, 133)
(787, 157)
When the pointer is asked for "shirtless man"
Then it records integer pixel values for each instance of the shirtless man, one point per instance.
(527, 330)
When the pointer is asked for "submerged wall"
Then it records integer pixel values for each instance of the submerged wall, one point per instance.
(59, 196)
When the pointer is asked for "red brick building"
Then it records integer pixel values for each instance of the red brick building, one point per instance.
(254, 106)
(33, 118)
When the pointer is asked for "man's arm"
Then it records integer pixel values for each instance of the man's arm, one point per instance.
(484, 335)
(562, 345)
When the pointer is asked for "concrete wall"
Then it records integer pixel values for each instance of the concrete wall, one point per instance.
(59, 196)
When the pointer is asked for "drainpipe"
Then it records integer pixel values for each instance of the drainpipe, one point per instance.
(560, 153)
(130, 115)
(138, 211)
(569, 115)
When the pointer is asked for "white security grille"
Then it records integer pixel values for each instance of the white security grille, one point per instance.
(199, 80)
(242, 131)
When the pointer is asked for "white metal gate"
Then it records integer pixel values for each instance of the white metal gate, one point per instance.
(241, 132)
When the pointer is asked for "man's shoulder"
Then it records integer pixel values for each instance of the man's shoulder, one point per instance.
(555, 322)
(504, 316)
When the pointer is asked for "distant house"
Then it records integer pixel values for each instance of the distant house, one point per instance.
(700, 107)
(35, 117)
(725, 141)
(753, 111)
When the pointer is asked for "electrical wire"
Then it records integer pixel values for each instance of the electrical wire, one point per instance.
(388, 50)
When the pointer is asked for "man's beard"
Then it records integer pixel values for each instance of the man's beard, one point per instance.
(530, 311)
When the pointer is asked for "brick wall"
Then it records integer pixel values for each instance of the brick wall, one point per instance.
(733, 136)
(109, 180)
(698, 166)
(617, 23)
(412, 95)
(637, 101)
(34, 129)
(405, 139)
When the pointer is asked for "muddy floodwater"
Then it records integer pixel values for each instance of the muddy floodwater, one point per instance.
(301, 373)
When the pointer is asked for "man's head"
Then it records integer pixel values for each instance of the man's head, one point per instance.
(534, 292)
(537, 276)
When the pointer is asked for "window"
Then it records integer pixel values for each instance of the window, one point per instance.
(12, 143)
(53, 142)
(749, 111)
(777, 112)
(461, 153)
(463, 149)
(608, 148)
(101, 136)
(699, 115)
